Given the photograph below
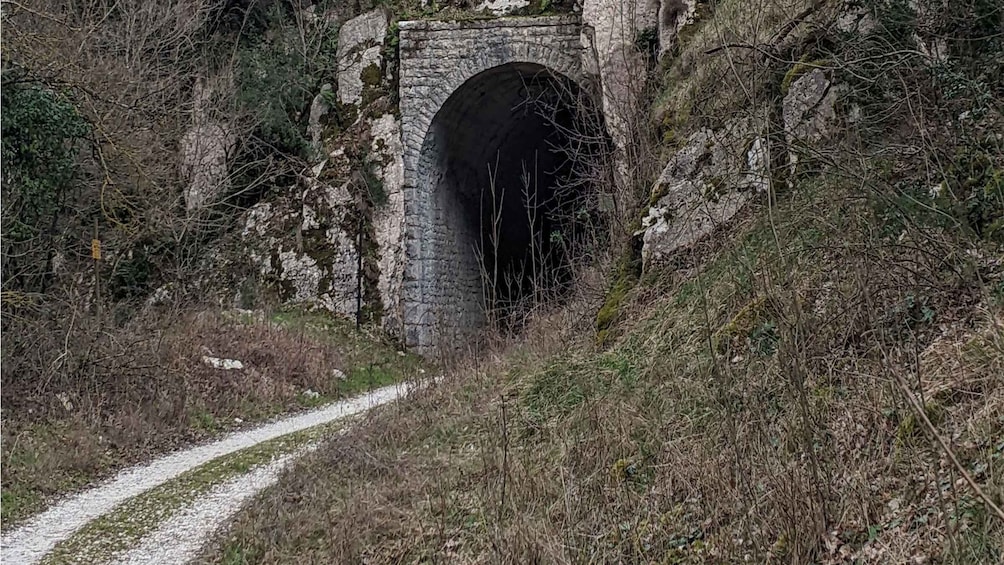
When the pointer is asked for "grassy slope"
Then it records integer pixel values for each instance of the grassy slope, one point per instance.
(750, 408)
(763, 401)
(183, 401)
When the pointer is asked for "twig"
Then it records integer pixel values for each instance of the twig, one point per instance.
(919, 411)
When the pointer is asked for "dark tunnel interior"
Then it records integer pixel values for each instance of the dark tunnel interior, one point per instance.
(520, 152)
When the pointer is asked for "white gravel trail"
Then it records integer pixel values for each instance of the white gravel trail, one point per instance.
(29, 543)
(177, 540)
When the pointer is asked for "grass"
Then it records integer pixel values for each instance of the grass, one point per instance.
(665, 447)
(291, 361)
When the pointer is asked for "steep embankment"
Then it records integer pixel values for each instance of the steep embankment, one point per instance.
(804, 362)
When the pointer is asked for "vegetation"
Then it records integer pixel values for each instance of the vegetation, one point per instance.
(818, 382)
(102, 356)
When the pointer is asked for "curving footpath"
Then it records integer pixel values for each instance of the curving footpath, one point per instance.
(174, 540)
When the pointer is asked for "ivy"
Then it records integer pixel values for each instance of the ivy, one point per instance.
(39, 155)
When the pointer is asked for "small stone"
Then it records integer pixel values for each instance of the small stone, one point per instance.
(224, 364)
(311, 394)
(339, 375)
(65, 400)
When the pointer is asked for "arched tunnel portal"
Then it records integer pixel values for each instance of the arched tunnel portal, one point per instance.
(497, 197)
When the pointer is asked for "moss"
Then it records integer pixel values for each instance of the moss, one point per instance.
(911, 427)
(803, 66)
(625, 279)
(610, 310)
(371, 75)
(741, 325)
(622, 469)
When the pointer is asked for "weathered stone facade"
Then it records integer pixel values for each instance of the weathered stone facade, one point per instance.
(452, 75)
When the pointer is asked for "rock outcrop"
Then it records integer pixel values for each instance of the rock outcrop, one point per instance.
(304, 245)
(809, 113)
(704, 185)
(207, 146)
(360, 59)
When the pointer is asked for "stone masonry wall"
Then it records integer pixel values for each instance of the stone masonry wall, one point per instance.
(441, 290)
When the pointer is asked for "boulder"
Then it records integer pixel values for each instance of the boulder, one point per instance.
(809, 113)
(809, 107)
(704, 185)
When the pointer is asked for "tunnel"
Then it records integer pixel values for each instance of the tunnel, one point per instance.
(509, 169)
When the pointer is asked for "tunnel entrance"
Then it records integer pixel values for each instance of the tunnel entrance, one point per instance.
(510, 164)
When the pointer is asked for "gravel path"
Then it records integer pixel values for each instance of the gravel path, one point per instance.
(178, 539)
(29, 543)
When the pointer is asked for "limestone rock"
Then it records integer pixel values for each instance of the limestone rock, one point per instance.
(223, 364)
(205, 155)
(673, 16)
(304, 246)
(609, 39)
(857, 20)
(388, 219)
(319, 107)
(360, 43)
(502, 7)
(208, 144)
(704, 185)
(809, 107)
(809, 113)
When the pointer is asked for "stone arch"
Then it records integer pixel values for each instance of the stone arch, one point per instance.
(460, 84)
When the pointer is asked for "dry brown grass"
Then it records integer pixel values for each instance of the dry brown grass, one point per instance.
(117, 395)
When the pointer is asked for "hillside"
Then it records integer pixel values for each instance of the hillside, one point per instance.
(815, 379)
(761, 321)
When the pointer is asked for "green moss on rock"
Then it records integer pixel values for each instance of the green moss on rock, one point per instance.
(799, 69)
(625, 279)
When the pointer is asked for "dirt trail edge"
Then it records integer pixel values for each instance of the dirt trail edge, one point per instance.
(27, 544)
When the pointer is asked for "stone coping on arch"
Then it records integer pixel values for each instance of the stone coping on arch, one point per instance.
(487, 23)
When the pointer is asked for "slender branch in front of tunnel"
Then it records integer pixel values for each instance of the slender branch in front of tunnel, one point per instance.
(490, 273)
(530, 204)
